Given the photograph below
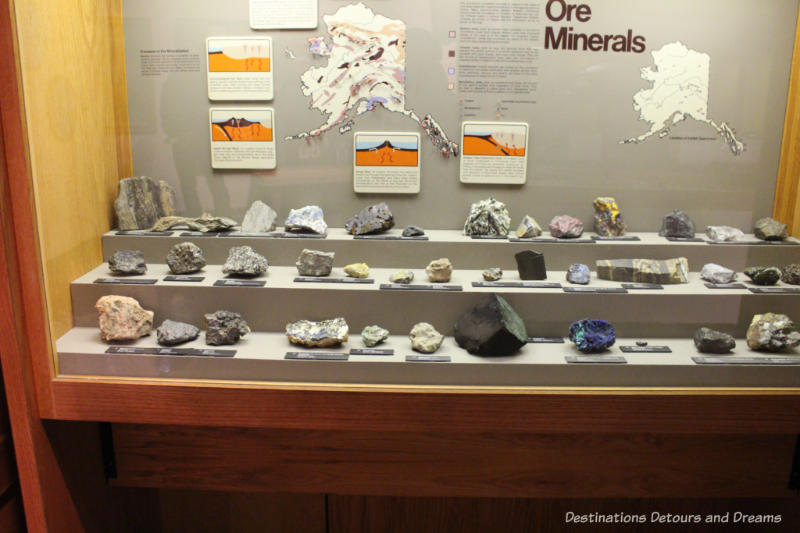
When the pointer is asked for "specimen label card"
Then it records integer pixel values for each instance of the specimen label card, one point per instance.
(239, 68)
(494, 152)
(386, 163)
(283, 14)
(242, 138)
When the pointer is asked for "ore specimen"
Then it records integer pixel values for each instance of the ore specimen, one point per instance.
(678, 225)
(438, 137)
(439, 270)
(315, 263)
(528, 228)
(579, 274)
(566, 227)
(374, 335)
(608, 221)
(260, 218)
(318, 334)
(185, 258)
(769, 229)
(791, 274)
(357, 270)
(772, 332)
(530, 265)
(373, 219)
(245, 262)
(724, 233)
(492, 274)
(127, 262)
(425, 338)
(669, 271)
(707, 340)
(413, 231)
(403, 277)
(487, 217)
(171, 333)
(592, 336)
(141, 202)
(122, 318)
(492, 328)
(717, 273)
(308, 219)
(225, 327)
(763, 275)
(206, 223)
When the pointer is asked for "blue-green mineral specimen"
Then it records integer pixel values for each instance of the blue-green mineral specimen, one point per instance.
(592, 336)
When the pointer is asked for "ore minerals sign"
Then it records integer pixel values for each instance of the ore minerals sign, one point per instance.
(567, 39)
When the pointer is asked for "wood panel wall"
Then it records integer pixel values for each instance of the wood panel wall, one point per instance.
(11, 516)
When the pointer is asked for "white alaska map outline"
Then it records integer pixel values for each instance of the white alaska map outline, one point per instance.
(680, 81)
(366, 70)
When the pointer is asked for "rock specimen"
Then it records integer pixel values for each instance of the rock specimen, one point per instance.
(244, 261)
(769, 229)
(677, 224)
(487, 217)
(260, 218)
(772, 332)
(171, 333)
(717, 273)
(185, 258)
(491, 328)
(530, 265)
(566, 227)
(403, 277)
(225, 327)
(707, 340)
(308, 219)
(374, 335)
(724, 233)
(315, 263)
(122, 318)
(206, 223)
(357, 270)
(528, 228)
(492, 274)
(142, 201)
(669, 271)
(413, 231)
(608, 221)
(373, 219)
(579, 274)
(791, 274)
(592, 336)
(763, 275)
(425, 338)
(318, 334)
(127, 262)
(439, 271)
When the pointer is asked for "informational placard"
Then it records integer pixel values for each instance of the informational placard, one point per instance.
(387, 163)
(494, 152)
(239, 68)
(242, 138)
(283, 14)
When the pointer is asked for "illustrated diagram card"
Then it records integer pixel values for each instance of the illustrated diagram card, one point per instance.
(283, 14)
(386, 163)
(494, 152)
(242, 138)
(239, 68)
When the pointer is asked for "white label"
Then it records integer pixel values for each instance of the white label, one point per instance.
(386, 163)
(242, 138)
(239, 68)
(283, 14)
(494, 152)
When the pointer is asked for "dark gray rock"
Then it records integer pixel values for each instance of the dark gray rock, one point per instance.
(763, 275)
(579, 274)
(171, 333)
(413, 231)
(308, 219)
(260, 218)
(487, 217)
(769, 229)
(492, 328)
(373, 219)
(772, 332)
(246, 262)
(566, 227)
(142, 201)
(707, 340)
(791, 274)
(127, 263)
(530, 265)
(185, 258)
(224, 328)
(315, 263)
(677, 224)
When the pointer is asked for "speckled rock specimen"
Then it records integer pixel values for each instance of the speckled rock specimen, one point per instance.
(374, 335)
(579, 274)
(492, 328)
(206, 223)
(592, 336)
(487, 217)
(763, 276)
(122, 318)
(425, 338)
(171, 333)
(566, 227)
(724, 233)
(492, 274)
(142, 201)
(225, 328)
(315, 263)
(245, 262)
(404, 277)
(666, 272)
(707, 340)
(318, 334)
(791, 274)
(260, 218)
(678, 225)
(772, 332)
(308, 219)
(439, 270)
(127, 262)
(717, 273)
(413, 231)
(528, 228)
(530, 265)
(608, 221)
(185, 258)
(373, 219)
(357, 270)
(769, 229)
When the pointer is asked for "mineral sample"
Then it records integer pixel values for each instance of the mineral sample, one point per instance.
(566, 227)
(374, 335)
(185, 258)
(315, 263)
(308, 219)
(528, 228)
(141, 202)
(763, 275)
(244, 261)
(724, 233)
(608, 221)
(717, 273)
(579, 274)
(373, 219)
(677, 224)
(487, 217)
(669, 271)
(439, 271)
(425, 338)
(769, 229)
(772, 332)
(127, 262)
(357, 270)
(206, 223)
(592, 336)
(711, 341)
(492, 274)
(171, 333)
(791, 274)
(260, 218)
(225, 327)
(322, 334)
(492, 328)
(122, 318)
(530, 265)
(403, 277)
(413, 231)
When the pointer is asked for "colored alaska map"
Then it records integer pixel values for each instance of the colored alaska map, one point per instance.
(366, 70)
(680, 91)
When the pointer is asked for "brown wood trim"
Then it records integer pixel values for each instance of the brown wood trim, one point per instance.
(787, 192)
